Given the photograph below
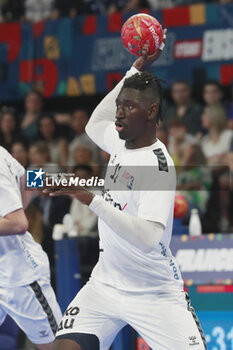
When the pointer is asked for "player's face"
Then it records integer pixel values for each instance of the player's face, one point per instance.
(132, 114)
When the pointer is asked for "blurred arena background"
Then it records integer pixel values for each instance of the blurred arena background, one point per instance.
(58, 58)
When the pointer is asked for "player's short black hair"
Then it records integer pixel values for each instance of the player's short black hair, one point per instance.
(143, 81)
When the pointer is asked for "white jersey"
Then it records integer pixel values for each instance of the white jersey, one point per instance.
(22, 260)
(141, 182)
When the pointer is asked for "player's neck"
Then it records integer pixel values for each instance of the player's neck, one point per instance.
(140, 142)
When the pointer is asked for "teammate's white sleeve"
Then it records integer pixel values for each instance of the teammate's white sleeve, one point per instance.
(9, 198)
(143, 234)
(101, 128)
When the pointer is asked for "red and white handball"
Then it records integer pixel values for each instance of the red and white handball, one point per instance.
(139, 30)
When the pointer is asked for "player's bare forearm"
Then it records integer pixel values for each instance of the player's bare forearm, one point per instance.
(81, 194)
(14, 223)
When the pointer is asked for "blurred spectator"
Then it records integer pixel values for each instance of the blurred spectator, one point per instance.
(52, 209)
(33, 108)
(85, 221)
(212, 93)
(135, 5)
(9, 128)
(39, 155)
(217, 142)
(216, 145)
(230, 111)
(79, 121)
(12, 10)
(184, 108)
(194, 179)
(2, 2)
(82, 153)
(104, 157)
(160, 4)
(67, 8)
(19, 151)
(162, 135)
(178, 139)
(48, 131)
(103, 6)
(38, 10)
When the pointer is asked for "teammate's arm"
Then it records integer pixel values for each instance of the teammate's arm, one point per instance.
(12, 218)
(14, 223)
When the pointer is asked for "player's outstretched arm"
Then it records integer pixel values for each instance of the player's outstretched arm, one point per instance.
(141, 233)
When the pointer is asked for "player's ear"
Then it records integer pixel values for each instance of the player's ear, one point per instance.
(153, 110)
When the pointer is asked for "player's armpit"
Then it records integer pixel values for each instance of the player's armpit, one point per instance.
(141, 233)
(14, 223)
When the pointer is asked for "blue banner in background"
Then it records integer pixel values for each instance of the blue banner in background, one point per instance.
(71, 57)
(206, 259)
(218, 329)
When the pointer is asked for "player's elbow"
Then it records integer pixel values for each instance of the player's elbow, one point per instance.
(149, 247)
(152, 238)
(17, 223)
(22, 227)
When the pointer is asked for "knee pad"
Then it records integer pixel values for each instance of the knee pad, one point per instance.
(86, 341)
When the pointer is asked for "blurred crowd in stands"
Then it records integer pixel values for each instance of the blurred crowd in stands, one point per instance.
(36, 10)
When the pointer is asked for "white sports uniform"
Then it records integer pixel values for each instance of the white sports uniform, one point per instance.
(127, 286)
(25, 291)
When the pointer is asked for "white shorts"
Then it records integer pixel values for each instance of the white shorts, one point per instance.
(165, 321)
(34, 308)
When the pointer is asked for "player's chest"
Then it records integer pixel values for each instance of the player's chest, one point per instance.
(122, 172)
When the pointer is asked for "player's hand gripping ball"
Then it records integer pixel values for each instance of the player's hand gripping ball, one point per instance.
(181, 206)
(139, 30)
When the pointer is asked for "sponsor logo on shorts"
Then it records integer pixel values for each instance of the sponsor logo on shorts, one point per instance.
(67, 322)
(44, 334)
(192, 340)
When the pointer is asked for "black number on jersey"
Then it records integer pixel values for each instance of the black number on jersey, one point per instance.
(115, 175)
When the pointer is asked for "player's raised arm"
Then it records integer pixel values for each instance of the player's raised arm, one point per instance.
(101, 127)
